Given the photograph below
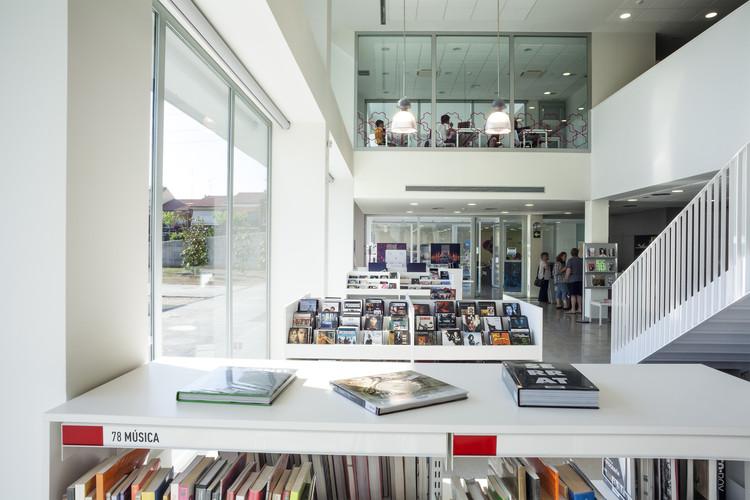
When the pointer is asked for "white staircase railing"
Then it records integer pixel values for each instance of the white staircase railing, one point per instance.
(695, 268)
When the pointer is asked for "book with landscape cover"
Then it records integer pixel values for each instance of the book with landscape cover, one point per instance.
(397, 391)
(499, 337)
(238, 384)
(549, 384)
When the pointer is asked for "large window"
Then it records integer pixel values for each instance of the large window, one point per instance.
(543, 80)
(209, 226)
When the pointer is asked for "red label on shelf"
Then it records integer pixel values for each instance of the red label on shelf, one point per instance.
(474, 446)
(82, 435)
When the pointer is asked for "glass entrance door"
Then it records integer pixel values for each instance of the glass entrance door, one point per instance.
(513, 248)
(486, 258)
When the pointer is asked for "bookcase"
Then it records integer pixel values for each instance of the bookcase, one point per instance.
(645, 411)
(599, 272)
(414, 352)
(399, 284)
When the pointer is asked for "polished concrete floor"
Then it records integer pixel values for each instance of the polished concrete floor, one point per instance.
(565, 338)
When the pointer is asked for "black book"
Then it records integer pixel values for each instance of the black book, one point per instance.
(519, 323)
(549, 384)
(390, 392)
(512, 308)
(445, 320)
(374, 306)
(518, 337)
(467, 307)
(422, 309)
(486, 308)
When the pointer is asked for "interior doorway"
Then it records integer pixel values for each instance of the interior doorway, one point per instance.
(500, 256)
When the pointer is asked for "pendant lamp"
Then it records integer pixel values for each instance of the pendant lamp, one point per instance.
(498, 122)
(403, 121)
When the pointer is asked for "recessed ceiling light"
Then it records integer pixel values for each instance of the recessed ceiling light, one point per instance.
(581, 108)
(410, 211)
(632, 199)
(711, 15)
(563, 120)
(558, 222)
(472, 204)
(413, 203)
(567, 73)
(547, 93)
(529, 205)
(678, 190)
(504, 212)
(625, 15)
(532, 107)
(456, 211)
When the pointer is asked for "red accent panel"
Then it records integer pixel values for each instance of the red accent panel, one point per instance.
(474, 446)
(83, 435)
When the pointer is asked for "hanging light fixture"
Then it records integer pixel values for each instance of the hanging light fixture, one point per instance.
(499, 121)
(403, 121)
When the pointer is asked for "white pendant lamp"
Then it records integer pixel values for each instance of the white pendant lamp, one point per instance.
(499, 121)
(403, 121)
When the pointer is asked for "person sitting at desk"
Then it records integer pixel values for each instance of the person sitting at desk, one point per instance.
(446, 134)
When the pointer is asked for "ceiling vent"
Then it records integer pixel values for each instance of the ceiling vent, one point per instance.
(477, 189)
(363, 72)
(427, 72)
(532, 73)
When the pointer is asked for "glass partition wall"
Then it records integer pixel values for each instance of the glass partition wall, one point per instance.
(451, 81)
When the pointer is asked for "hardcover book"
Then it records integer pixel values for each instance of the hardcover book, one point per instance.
(373, 322)
(452, 336)
(325, 336)
(309, 305)
(512, 308)
(445, 306)
(239, 384)
(346, 335)
(486, 308)
(549, 384)
(397, 391)
(422, 309)
(499, 338)
(446, 320)
(397, 308)
(471, 322)
(299, 335)
(424, 323)
(472, 338)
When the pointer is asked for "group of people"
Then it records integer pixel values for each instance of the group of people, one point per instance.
(567, 274)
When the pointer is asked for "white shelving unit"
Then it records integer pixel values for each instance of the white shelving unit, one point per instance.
(424, 353)
(599, 272)
(645, 411)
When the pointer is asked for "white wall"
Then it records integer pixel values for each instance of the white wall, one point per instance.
(385, 173)
(343, 76)
(617, 59)
(340, 226)
(298, 221)
(32, 197)
(360, 239)
(109, 86)
(686, 116)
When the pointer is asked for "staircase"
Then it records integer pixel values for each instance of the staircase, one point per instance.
(686, 299)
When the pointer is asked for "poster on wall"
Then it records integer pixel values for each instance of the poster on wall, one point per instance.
(445, 253)
(395, 259)
(382, 247)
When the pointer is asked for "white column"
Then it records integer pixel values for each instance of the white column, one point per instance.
(596, 221)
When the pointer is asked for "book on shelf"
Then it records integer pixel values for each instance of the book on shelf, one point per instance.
(397, 308)
(466, 307)
(399, 337)
(303, 318)
(598, 280)
(278, 490)
(512, 308)
(373, 322)
(601, 266)
(87, 482)
(511, 473)
(309, 305)
(424, 323)
(328, 319)
(549, 479)
(451, 336)
(174, 487)
(351, 307)
(397, 391)
(302, 480)
(486, 308)
(355, 321)
(578, 488)
(499, 337)
(445, 306)
(399, 323)
(238, 384)
(518, 323)
(472, 338)
(498, 323)
(445, 320)
(371, 337)
(187, 484)
(204, 483)
(247, 472)
(619, 474)
(331, 305)
(125, 462)
(422, 309)
(233, 471)
(325, 336)
(346, 335)
(471, 322)
(300, 335)
(374, 306)
(158, 484)
(549, 385)
(425, 338)
(287, 491)
(443, 293)
(497, 489)
(521, 337)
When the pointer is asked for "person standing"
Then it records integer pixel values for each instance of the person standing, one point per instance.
(558, 276)
(574, 278)
(379, 133)
(543, 273)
